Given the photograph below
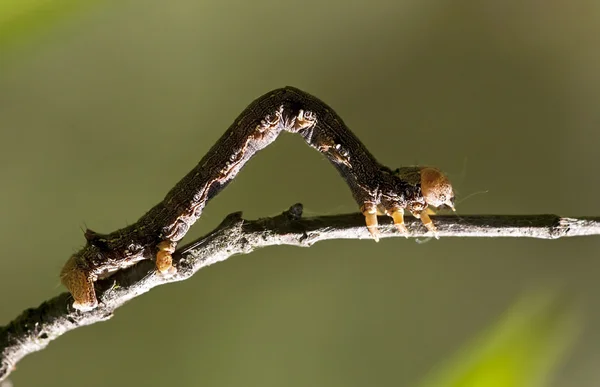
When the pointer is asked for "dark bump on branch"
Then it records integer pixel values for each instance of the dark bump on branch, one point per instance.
(295, 211)
(35, 328)
(231, 219)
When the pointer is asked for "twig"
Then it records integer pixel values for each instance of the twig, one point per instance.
(35, 328)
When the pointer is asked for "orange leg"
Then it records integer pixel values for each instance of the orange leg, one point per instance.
(398, 216)
(80, 284)
(369, 210)
(427, 222)
(164, 259)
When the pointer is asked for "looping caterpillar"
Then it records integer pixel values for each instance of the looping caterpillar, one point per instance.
(377, 189)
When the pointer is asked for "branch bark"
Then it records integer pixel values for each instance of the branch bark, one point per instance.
(35, 328)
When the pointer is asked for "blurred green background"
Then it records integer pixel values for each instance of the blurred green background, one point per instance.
(104, 105)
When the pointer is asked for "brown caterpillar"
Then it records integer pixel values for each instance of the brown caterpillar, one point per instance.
(376, 188)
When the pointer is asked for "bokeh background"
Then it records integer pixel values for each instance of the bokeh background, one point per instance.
(104, 108)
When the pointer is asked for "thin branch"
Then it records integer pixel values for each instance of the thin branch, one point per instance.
(35, 328)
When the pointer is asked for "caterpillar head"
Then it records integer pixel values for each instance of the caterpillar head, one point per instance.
(436, 188)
